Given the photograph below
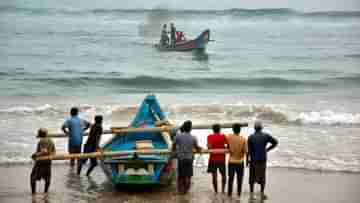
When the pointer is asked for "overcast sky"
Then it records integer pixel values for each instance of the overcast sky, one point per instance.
(299, 5)
(302, 5)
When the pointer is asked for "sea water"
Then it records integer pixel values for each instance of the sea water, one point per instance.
(298, 72)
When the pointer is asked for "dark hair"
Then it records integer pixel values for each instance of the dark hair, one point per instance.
(258, 126)
(42, 132)
(98, 119)
(74, 111)
(216, 128)
(236, 128)
(181, 128)
(187, 126)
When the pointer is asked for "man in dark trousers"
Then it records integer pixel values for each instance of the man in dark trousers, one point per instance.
(92, 144)
(42, 169)
(238, 151)
(172, 35)
(257, 146)
(184, 144)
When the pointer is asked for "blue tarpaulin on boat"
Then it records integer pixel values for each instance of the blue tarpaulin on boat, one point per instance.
(150, 106)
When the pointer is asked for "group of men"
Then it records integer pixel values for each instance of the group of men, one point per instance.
(175, 36)
(74, 128)
(253, 151)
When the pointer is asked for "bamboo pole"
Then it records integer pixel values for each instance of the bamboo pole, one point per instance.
(122, 153)
(223, 125)
(165, 128)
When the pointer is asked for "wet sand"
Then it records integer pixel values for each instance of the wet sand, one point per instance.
(283, 185)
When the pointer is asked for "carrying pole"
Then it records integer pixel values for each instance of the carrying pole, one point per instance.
(101, 154)
(164, 128)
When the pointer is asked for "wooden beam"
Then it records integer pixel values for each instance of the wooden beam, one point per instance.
(223, 125)
(117, 130)
(61, 135)
(165, 128)
(122, 153)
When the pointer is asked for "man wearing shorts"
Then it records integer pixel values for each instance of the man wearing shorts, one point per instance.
(184, 144)
(217, 140)
(42, 169)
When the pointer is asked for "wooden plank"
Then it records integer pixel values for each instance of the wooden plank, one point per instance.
(167, 128)
(122, 153)
(223, 125)
(61, 135)
(116, 130)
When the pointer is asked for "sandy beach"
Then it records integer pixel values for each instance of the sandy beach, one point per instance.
(284, 185)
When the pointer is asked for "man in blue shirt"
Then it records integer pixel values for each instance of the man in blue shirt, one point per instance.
(257, 147)
(74, 128)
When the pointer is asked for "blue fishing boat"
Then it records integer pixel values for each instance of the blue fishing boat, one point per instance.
(136, 168)
(198, 43)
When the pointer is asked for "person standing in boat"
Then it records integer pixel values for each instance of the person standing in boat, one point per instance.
(184, 144)
(180, 36)
(42, 169)
(74, 128)
(164, 40)
(172, 35)
(92, 144)
(217, 140)
(257, 146)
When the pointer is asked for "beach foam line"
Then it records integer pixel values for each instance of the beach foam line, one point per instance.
(271, 113)
(28, 109)
(202, 161)
(235, 12)
(328, 117)
(147, 81)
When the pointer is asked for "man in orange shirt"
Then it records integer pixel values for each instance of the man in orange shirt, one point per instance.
(238, 151)
(217, 140)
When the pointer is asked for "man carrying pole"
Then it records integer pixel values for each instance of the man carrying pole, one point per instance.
(183, 146)
(74, 128)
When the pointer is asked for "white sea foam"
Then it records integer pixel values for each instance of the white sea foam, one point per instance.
(272, 113)
(321, 165)
(328, 117)
(28, 109)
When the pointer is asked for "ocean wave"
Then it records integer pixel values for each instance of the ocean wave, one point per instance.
(336, 14)
(63, 74)
(295, 71)
(28, 109)
(279, 13)
(357, 56)
(351, 79)
(150, 82)
(270, 113)
(14, 73)
(277, 114)
(328, 118)
(295, 162)
(319, 166)
(4, 74)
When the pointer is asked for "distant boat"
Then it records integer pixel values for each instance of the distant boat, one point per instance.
(198, 43)
(141, 168)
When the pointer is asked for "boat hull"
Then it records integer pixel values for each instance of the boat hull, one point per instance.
(200, 44)
(141, 169)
